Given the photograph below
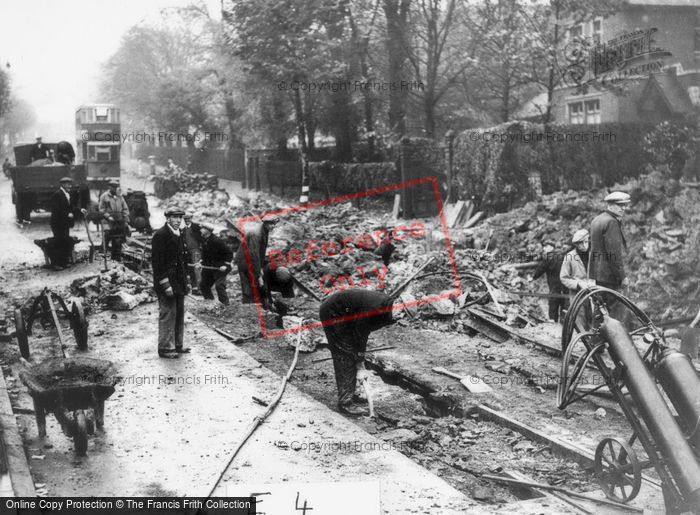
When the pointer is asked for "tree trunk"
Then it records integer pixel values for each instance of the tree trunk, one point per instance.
(396, 13)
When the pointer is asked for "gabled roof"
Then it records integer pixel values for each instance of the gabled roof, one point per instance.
(667, 87)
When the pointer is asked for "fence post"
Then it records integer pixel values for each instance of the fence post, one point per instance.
(450, 137)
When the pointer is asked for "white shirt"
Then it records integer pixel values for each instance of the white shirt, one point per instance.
(176, 232)
(66, 194)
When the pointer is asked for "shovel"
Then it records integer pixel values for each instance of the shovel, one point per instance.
(690, 338)
(471, 383)
(91, 257)
(104, 247)
(368, 394)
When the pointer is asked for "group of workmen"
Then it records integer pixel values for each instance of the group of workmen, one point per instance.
(597, 258)
(177, 248)
(112, 210)
(186, 253)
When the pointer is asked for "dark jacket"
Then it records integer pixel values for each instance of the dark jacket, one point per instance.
(551, 265)
(193, 236)
(168, 259)
(216, 253)
(256, 235)
(357, 302)
(605, 261)
(60, 210)
(39, 152)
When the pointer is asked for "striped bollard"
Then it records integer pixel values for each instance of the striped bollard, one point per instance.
(304, 198)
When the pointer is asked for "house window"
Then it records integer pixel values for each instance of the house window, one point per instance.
(576, 113)
(597, 31)
(592, 111)
(576, 31)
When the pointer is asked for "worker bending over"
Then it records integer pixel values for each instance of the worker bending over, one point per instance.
(348, 318)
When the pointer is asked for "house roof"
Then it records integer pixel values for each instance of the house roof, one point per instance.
(670, 90)
(667, 3)
(536, 106)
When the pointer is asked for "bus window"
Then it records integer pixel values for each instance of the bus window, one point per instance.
(101, 114)
(103, 154)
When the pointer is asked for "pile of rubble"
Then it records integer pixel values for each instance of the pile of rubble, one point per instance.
(661, 228)
(167, 183)
(117, 289)
(208, 206)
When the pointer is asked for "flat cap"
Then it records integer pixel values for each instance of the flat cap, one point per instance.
(207, 226)
(114, 182)
(65, 179)
(548, 242)
(270, 218)
(174, 211)
(579, 236)
(618, 197)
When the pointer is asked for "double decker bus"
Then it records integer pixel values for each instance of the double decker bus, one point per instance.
(98, 143)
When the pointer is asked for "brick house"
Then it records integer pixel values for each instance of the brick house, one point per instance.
(643, 65)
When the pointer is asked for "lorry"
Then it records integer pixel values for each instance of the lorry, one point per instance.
(33, 184)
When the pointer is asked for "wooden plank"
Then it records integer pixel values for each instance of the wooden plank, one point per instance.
(582, 456)
(454, 213)
(397, 207)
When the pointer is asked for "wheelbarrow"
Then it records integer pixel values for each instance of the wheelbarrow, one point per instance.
(44, 309)
(74, 390)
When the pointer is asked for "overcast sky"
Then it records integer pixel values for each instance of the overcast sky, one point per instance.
(55, 48)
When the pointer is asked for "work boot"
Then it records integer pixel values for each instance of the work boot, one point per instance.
(359, 399)
(352, 410)
(168, 354)
(183, 350)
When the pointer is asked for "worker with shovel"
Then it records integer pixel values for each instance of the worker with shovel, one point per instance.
(550, 265)
(216, 264)
(348, 317)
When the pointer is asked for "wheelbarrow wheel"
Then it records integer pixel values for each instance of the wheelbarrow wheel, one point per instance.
(79, 324)
(80, 435)
(618, 470)
(21, 333)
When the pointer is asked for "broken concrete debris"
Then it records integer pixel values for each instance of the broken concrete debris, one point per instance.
(117, 289)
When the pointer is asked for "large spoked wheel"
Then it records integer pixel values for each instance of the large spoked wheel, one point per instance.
(21, 333)
(79, 325)
(617, 469)
(80, 434)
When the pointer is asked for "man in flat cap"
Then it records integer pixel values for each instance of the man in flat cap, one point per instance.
(169, 261)
(216, 260)
(115, 212)
(256, 239)
(574, 269)
(608, 246)
(62, 216)
(39, 150)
